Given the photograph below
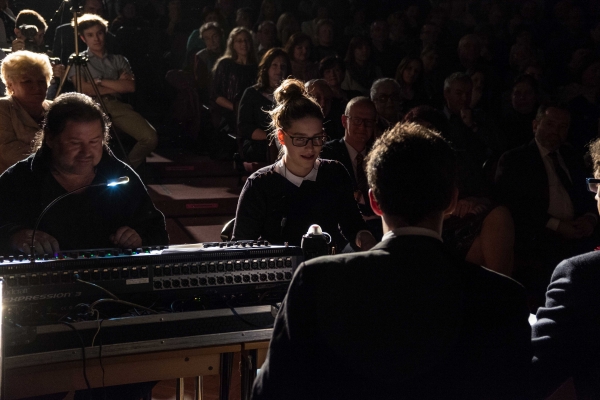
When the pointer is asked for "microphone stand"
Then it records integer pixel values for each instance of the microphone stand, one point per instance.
(120, 181)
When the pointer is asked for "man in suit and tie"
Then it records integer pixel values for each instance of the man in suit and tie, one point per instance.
(406, 319)
(542, 184)
(565, 336)
(359, 121)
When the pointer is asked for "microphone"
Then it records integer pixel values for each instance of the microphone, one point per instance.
(119, 181)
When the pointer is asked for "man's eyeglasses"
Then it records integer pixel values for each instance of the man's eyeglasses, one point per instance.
(592, 184)
(301, 141)
(369, 123)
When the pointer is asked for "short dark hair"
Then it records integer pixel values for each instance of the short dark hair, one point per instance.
(210, 25)
(330, 62)
(457, 77)
(67, 107)
(355, 42)
(30, 17)
(295, 40)
(412, 172)
(265, 63)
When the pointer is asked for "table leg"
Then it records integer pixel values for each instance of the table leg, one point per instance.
(225, 375)
(180, 390)
(199, 387)
(248, 372)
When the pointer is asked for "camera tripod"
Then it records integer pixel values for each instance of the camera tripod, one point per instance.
(82, 70)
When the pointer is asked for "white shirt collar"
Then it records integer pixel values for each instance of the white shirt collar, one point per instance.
(281, 169)
(412, 230)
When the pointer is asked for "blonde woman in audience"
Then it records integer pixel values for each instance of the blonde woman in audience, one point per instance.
(26, 76)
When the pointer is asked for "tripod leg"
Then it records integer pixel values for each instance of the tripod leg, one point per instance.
(63, 78)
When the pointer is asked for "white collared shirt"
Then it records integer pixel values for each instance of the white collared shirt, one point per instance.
(282, 170)
(561, 205)
(412, 230)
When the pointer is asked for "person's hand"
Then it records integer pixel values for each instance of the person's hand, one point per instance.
(126, 237)
(18, 44)
(126, 75)
(58, 70)
(44, 243)
(471, 205)
(585, 225)
(365, 240)
(568, 230)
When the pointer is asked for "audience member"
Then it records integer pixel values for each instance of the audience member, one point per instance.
(351, 150)
(385, 55)
(113, 77)
(517, 118)
(35, 42)
(325, 40)
(287, 25)
(469, 51)
(564, 335)
(195, 43)
(333, 71)
(71, 152)
(385, 93)
(474, 342)
(64, 37)
(298, 48)
(360, 70)
(256, 102)
(127, 17)
(266, 37)
(205, 59)
(269, 11)
(333, 109)
(235, 71)
(279, 202)
(319, 12)
(554, 216)
(26, 76)
(409, 76)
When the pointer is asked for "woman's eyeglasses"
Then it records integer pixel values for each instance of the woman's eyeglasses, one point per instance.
(301, 141)
(592, 184)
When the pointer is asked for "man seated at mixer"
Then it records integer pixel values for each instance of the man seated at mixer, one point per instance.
(406, 319)
(71, 155)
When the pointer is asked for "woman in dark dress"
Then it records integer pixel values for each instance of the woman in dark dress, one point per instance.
(410, 77)
(361, 72)
(280, 202)
(233, 73)
(257, 100)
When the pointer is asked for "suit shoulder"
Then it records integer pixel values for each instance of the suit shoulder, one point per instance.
(493, 285)
(587, 264)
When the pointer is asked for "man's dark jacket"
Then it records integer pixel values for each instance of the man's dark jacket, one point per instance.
(522, 185)
(404, 320)
(565, 336)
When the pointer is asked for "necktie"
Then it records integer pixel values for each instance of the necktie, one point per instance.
(361, 177)
(560, 172)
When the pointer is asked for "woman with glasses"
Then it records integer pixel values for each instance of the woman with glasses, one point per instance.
(280, 202)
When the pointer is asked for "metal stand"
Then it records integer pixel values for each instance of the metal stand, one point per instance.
(225, 375)
(80, 64)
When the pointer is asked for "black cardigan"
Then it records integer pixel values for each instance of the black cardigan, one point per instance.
(267, 198)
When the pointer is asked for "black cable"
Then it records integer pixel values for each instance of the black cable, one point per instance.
(248, 322)
(87, 382)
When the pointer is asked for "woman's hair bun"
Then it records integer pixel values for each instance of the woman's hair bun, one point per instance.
(289, 90)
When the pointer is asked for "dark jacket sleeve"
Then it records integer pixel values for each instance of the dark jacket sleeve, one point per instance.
(286, 371)
(565, 336)
(219, 83)
(251, 209)
(349, 217)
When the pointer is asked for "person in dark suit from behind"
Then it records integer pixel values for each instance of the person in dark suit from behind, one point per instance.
(565, 336)
(359, 121)
(542, 185)
(407, 319)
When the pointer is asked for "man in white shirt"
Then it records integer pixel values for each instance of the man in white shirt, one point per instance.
(543, 184)
(359, 122)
